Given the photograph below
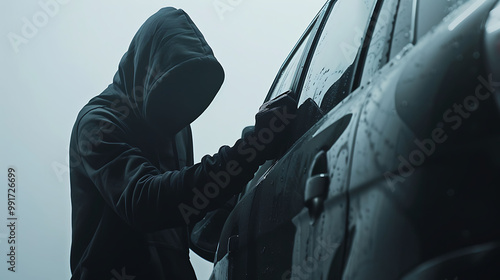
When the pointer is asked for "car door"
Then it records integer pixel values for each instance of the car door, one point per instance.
(232, 259)
(298, 212)
(375, 141)
(291, 221)
(404, 205)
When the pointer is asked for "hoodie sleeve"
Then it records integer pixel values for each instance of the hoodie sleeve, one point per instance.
(143, 196)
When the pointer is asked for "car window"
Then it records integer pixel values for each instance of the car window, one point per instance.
(378, 51)
(291, 68)
(287, 74)
(403, 29)
(432, 12)
(330, 72)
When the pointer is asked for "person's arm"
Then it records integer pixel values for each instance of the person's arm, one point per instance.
(146, 198)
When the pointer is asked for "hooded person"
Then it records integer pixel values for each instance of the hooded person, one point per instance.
(135, 190)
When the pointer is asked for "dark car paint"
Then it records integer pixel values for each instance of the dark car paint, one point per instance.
(426, 206)
(383, 217)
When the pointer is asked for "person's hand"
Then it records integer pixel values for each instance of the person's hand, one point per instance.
(272, 125)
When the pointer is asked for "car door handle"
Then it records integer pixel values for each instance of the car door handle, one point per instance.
(317, 186)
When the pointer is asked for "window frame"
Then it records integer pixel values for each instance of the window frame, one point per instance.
(387, 43)
(360, 75)
(325, 17)
(311, 31)
(398, 25)
(363, 51)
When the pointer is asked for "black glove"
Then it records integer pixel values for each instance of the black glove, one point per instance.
(273, 125)
(217, 178)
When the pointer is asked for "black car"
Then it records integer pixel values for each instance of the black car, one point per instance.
(393, 169)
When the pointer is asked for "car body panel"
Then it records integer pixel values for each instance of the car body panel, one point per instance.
(397, 197)
(404, 202)
(272, 234)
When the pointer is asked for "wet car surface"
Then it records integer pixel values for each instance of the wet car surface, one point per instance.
(392, 169)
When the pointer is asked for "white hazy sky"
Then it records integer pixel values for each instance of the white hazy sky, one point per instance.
(67, 51)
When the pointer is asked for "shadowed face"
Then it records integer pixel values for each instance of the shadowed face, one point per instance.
(183, 96)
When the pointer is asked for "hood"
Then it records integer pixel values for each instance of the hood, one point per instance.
(169, 73)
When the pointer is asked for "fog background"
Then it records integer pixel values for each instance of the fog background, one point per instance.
(50, 71)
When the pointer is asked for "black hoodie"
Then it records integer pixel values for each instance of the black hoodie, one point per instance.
(131, 158)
